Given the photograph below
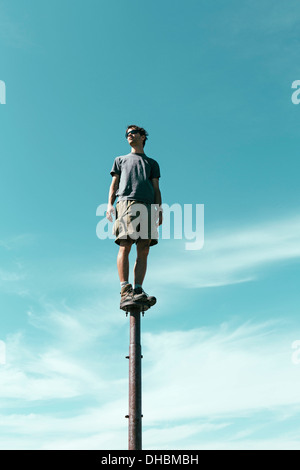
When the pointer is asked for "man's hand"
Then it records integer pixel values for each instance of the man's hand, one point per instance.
(157, 199)
(160, 217)
(110, 211)
(112, 197)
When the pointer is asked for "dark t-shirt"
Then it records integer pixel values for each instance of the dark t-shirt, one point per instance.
(136, 171)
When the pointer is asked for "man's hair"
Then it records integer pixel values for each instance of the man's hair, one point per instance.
(141, 130)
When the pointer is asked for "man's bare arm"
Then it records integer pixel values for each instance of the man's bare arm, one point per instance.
(112, 196)
(157, 199)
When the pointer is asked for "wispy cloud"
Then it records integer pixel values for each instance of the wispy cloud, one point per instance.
(228, 370)
(18, 241)
(12, 272)
(197, 384)
(7, 276)
(229, 256)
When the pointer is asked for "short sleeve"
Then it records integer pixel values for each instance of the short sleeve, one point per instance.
(155, 170)
(116, 168)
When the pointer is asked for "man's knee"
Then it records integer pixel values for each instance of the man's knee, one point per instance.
(143, 247)
(125, 246)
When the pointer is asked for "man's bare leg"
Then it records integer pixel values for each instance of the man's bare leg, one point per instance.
(140, 267)
(123, 259)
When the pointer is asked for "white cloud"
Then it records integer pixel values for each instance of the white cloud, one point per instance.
(81, 325)
(18, 241)
(286, 442)
(9, 276)
(65, 360)
(30, 376)
(12, 273)
(94, 428)
(195, 383)
(229, 256)
(206, 373)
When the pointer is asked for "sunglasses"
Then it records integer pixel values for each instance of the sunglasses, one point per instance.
(134, 131)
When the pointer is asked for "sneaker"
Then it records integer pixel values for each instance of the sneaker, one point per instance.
(126, 296)
(139, 295)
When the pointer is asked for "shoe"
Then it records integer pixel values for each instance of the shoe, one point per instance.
(140, 296)
(126, 296)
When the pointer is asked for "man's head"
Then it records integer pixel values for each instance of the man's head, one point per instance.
(136, 134)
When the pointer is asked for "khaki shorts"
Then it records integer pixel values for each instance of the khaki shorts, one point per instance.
(136, 221)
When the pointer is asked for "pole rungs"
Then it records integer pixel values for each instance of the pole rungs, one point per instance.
(127, 416)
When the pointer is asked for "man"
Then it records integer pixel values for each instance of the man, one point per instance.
(135, 181)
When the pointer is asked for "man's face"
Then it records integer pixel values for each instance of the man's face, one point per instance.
(134, 137)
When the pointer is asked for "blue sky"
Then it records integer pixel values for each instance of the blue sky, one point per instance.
(211, 83)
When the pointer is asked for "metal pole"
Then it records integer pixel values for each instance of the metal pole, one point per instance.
(135, 382)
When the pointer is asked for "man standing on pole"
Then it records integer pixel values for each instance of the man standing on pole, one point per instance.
(135, 181)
